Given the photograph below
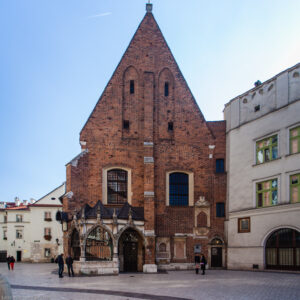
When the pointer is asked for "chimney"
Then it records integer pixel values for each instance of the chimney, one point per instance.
(17, 201)
(25, 202)
(32, 200)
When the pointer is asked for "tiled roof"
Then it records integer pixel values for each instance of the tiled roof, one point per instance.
(20, 207)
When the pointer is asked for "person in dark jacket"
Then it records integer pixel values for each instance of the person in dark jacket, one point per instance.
(197, 263)
(60, 261)
(12, 263)
(69, 262)
(203, 263)
(8, 261)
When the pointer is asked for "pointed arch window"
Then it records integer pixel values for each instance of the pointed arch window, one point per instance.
(202, 219)
(117, 186)
(99, 245)
(75, 245)
(131, 88)
(166, 89)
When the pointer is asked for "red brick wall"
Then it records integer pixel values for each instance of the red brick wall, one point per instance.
(149, 62)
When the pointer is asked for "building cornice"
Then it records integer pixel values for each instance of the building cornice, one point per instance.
(265, 210)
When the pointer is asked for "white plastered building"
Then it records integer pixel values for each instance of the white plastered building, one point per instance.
(29, 230)
(263, 168)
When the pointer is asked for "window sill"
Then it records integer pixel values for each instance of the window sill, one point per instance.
(48, 219)
(266, 162)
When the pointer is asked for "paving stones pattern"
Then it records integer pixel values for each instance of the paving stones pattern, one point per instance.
(216, 284)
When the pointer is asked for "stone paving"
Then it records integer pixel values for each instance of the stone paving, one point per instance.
(40, 282)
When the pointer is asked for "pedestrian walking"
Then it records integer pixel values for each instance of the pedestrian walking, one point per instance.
(8, 261)
(60, 261)
(12, 263)
(203, 263)
(69, 262)
(197, 263)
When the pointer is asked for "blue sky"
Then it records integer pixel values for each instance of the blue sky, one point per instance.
(57, 56)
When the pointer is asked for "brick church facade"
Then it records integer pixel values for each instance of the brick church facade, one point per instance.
(148, 189)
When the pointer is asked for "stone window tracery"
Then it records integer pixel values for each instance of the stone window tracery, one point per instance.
(99, 245)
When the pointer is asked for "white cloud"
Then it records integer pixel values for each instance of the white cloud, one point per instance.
(100, 15)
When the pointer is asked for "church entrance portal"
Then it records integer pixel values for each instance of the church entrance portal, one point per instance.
(131, 254)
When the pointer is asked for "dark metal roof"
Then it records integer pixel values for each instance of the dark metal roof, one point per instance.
(137, 213)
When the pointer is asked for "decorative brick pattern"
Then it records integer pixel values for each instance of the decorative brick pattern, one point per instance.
(182, 146)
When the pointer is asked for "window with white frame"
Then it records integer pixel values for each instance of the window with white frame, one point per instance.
(267, 149)
(19, 218)
(267, 193)
(116, 186)
(295, 188)
(19, 234)
(295, 140)
(179, 188)
(47, 231)
(47, 216)
(5, 234)
(47, 252)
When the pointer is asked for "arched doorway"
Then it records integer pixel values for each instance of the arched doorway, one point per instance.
(75, 245)
(99, 245)
(216, 253)
(283, 250)
(131, 251)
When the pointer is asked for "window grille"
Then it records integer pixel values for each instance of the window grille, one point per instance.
(99, 245)
(117, 186)
(179, 189)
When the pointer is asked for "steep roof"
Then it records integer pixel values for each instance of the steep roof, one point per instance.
(148, 36)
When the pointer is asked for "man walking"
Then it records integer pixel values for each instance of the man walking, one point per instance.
(203, 263)
(60, 261)
(69, 262)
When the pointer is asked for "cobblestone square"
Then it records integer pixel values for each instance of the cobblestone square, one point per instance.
(40, 281)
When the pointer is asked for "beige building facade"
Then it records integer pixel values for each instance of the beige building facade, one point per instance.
(29, 230)
(263, 169)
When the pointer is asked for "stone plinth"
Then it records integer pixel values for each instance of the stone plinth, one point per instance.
(150, 268)
(95, 268)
